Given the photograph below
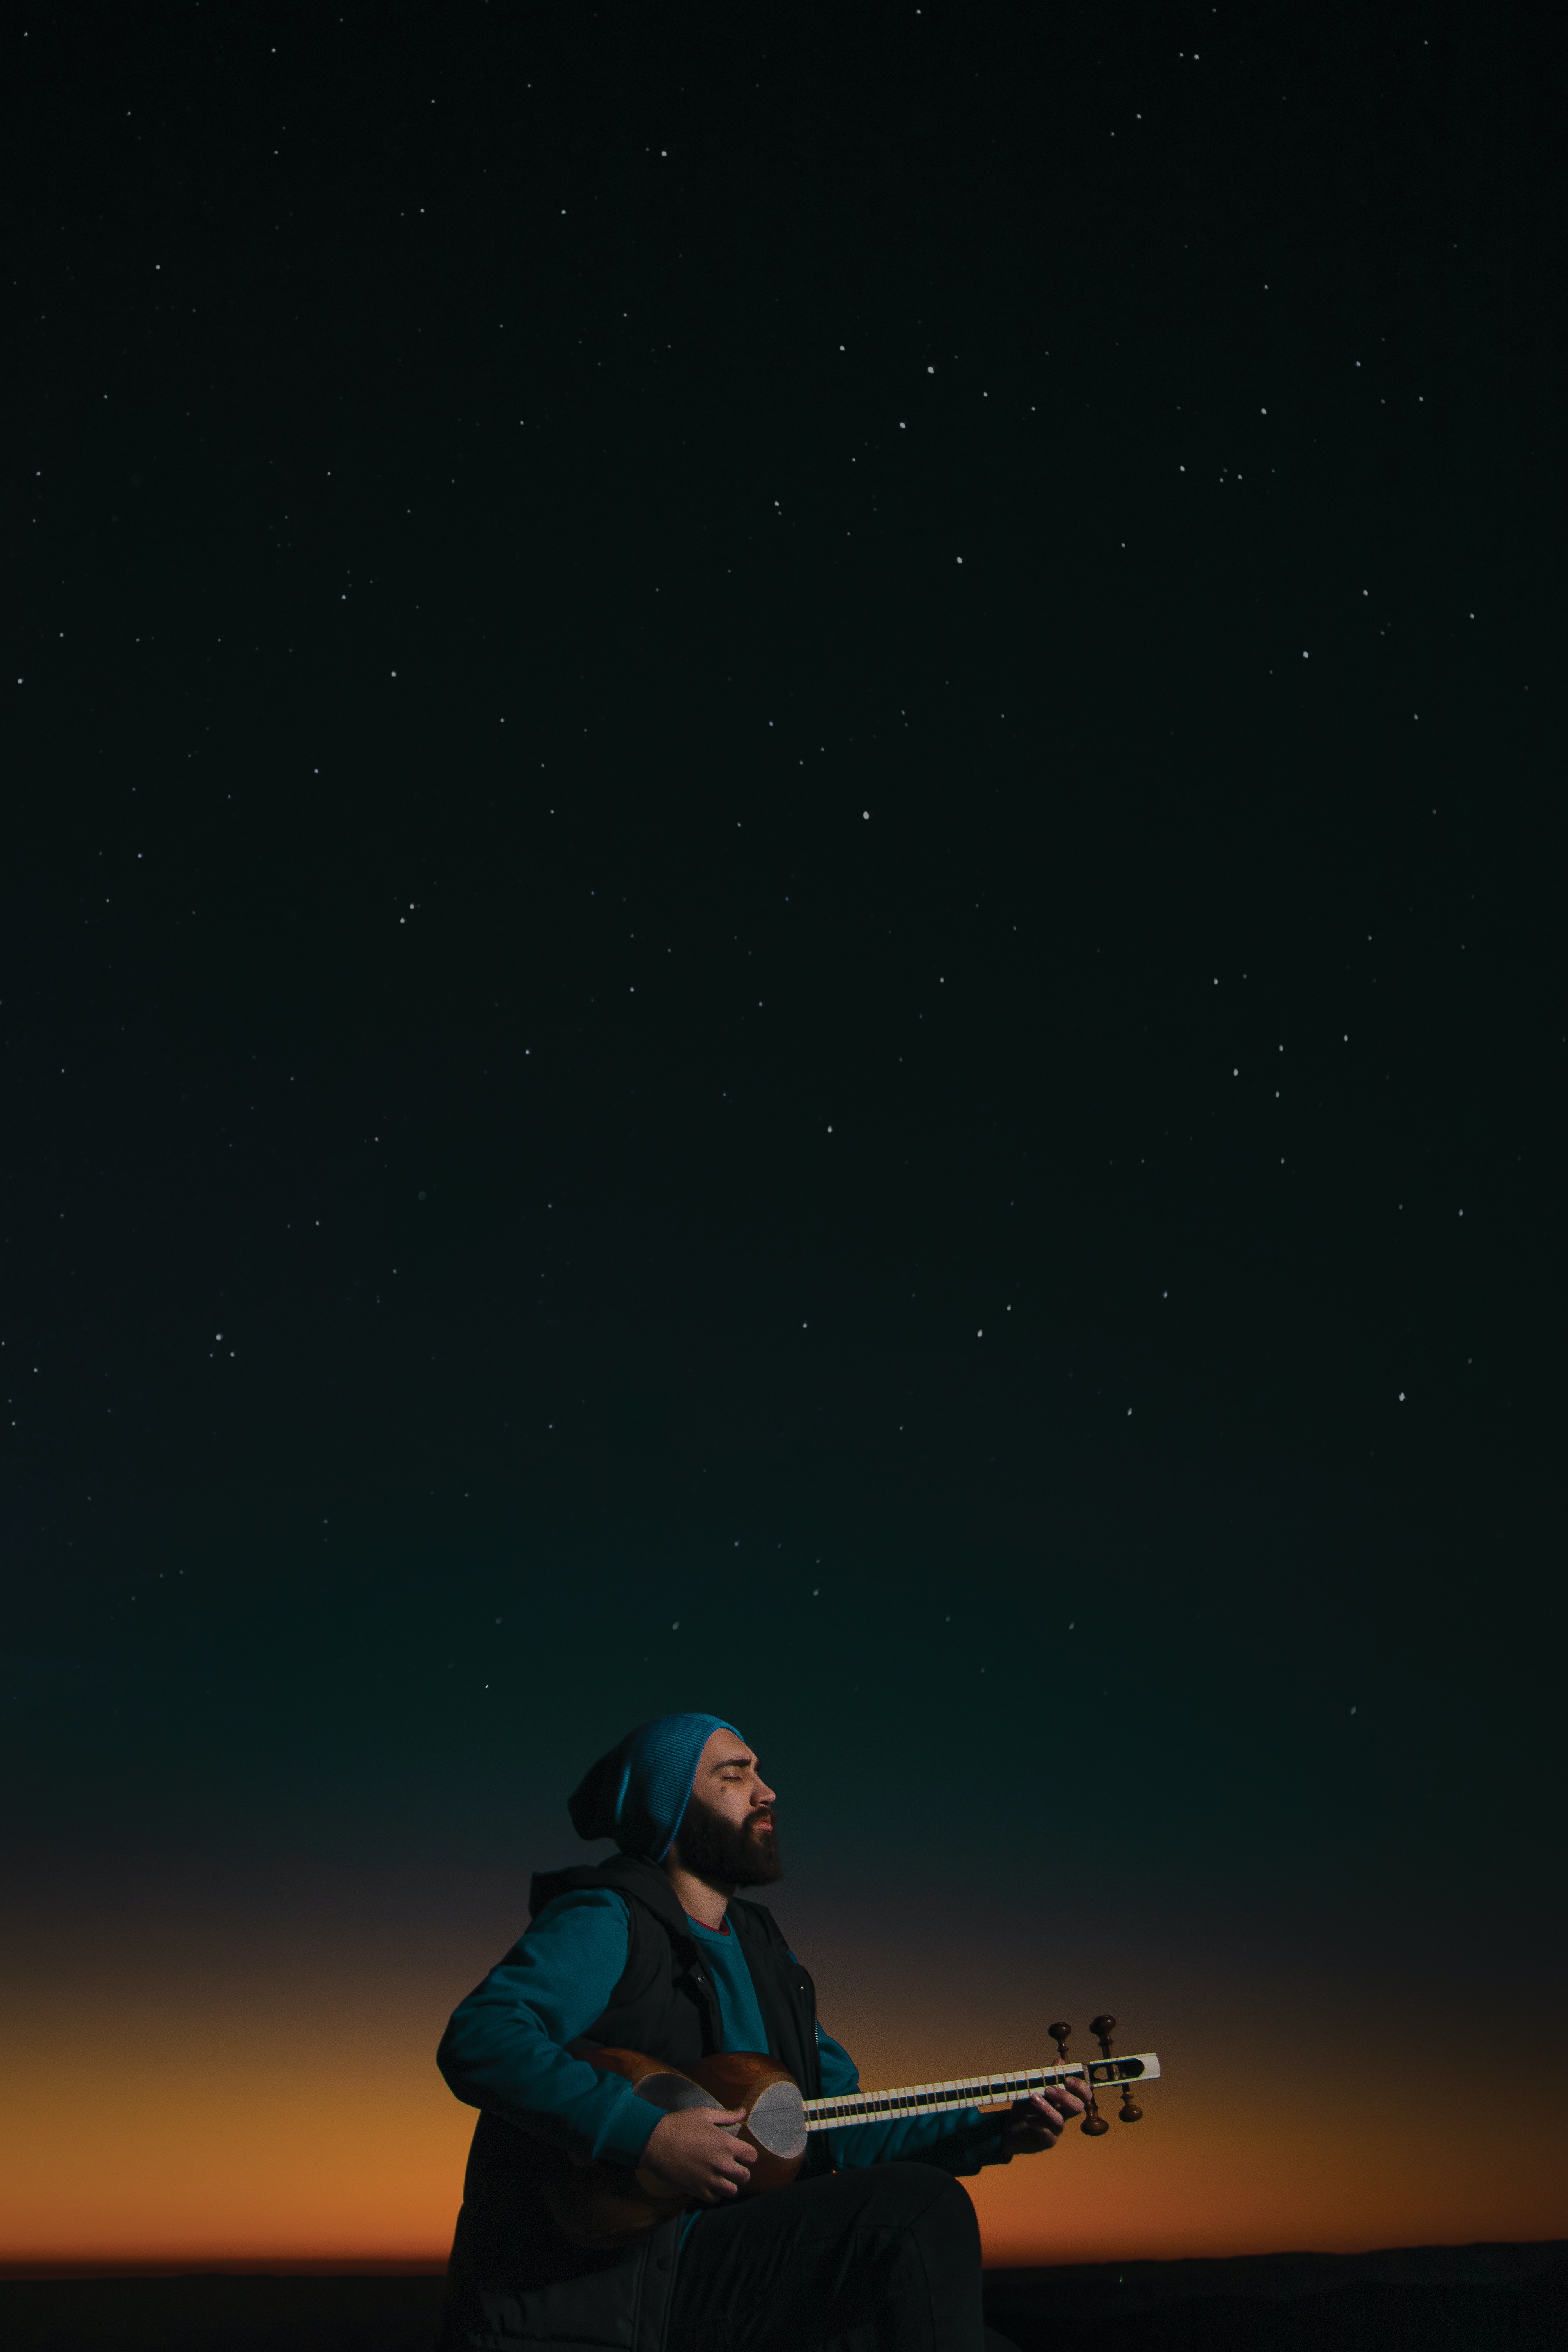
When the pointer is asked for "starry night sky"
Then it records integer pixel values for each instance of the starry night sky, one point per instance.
(779, 936)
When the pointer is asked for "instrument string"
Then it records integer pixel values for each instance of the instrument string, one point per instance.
(933, 2098)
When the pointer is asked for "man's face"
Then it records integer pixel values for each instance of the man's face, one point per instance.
(728, 1837)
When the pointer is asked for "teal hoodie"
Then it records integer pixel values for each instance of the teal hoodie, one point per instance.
(505, 2048)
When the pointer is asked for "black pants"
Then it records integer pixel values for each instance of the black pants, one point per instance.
(890, 2254)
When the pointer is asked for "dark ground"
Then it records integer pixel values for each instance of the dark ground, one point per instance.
(1506, 2298)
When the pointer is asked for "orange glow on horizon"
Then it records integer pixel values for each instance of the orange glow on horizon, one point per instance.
(261, 2128)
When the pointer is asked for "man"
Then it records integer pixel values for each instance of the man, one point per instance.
(651, 1951)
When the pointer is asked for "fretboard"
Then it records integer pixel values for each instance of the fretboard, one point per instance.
(972, 2091)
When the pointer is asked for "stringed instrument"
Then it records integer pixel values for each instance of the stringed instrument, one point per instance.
(604, 2205)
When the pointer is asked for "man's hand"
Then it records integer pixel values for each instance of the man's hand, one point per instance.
(695, 2152)
(1040, 2120)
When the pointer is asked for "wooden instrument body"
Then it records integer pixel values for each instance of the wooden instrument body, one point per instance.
(601, 2206)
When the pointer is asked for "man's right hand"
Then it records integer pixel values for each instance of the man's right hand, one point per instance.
(694, 2152)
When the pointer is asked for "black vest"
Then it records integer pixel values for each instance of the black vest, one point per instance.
(516, 2284)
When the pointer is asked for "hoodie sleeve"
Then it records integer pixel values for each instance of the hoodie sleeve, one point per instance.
(504, 2048)
(959, 2143)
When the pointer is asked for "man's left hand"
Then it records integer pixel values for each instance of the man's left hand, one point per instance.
(1040, 2120)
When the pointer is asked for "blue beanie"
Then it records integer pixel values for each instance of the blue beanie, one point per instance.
(637, 1793)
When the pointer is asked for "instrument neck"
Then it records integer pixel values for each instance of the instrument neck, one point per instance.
(937, 2098)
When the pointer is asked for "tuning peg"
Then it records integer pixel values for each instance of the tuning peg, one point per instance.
(1102, 2027)
(1132, 2113)
(1094, 2123)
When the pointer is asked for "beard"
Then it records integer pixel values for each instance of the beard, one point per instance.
(728, 1854)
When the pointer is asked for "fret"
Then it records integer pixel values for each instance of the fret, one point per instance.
(849, 2107)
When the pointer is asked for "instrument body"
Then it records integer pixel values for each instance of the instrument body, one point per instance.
(601, 2206)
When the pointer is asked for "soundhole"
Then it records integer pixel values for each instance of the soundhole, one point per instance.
(777, 2121)
(675, 2094)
